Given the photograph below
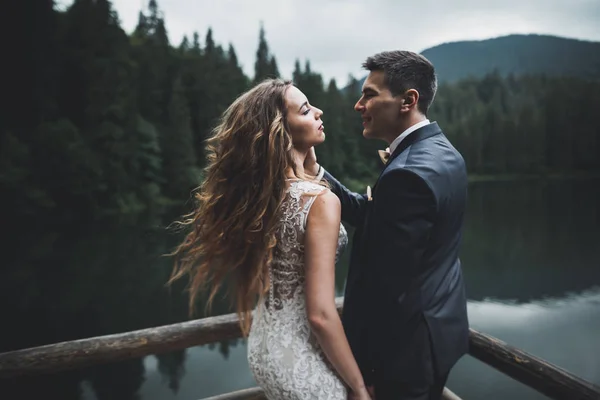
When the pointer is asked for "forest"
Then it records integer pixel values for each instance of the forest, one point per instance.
(101, 122)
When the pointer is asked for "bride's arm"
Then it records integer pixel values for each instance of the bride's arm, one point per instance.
(322, 230)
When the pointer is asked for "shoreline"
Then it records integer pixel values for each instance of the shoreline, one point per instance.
(537, 176)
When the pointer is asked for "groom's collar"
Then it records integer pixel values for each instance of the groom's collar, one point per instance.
(421, 133)
(407, 132)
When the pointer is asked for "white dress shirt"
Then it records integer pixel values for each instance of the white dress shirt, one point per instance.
(403, 135)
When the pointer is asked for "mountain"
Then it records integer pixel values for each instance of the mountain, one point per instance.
(516, 54)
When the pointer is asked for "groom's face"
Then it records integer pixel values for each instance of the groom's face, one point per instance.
(380, 111)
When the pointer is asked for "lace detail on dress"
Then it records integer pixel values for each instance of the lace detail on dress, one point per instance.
(284, 356)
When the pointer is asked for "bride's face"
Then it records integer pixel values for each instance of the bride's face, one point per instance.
(303, 119)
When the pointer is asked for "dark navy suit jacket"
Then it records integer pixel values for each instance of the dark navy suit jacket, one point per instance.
(405, 311)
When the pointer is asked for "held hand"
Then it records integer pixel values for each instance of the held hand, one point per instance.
(361, 394)
(310, 162)
(371, 390)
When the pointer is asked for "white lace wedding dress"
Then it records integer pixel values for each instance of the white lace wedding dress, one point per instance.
(283, 354)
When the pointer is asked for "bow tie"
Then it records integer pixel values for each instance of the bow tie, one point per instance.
(384, 155)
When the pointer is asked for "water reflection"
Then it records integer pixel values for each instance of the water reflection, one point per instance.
(531, 239)
(563, 331)
(530, 258)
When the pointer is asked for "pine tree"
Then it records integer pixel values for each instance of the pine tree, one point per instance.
(185, 44)
(141, 29)
(179, 160)
(265, 65)
(231, 56)
(209, 48)
(273, 69)
(154, 59)
(196, 44)
(297, 74)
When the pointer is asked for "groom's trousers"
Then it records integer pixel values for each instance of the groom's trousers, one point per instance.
(396, 390)
(418, 380)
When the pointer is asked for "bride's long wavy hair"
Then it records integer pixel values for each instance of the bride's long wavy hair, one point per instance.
(238, 205)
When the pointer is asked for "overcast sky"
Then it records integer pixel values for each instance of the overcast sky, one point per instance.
(337, 35)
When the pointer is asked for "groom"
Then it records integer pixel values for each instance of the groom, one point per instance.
(405, 311)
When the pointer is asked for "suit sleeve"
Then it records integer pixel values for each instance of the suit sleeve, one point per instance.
(353, 204)
(404, 212)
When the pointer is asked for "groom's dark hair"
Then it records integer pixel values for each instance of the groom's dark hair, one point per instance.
(405, 70)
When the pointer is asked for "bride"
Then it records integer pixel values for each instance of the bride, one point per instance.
(274, 234)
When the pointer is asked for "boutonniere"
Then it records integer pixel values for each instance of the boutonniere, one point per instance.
(369, 198)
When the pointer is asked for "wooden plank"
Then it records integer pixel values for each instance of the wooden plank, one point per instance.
(257, 394)
(246, 394)
(532, 371)
(449, 395)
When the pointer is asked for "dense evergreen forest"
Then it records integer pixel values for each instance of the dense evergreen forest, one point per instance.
(101, 122)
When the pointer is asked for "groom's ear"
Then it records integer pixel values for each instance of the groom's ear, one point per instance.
(411, 98)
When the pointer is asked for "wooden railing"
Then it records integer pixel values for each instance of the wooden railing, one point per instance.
(257, 394)
(534, 372)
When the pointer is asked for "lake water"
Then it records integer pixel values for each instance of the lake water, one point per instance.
(531, 259)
